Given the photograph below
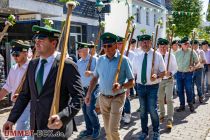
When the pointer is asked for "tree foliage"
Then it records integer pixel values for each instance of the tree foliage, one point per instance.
(208, 16)
(187, 16)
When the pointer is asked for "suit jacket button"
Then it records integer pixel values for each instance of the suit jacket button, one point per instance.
(37, 100)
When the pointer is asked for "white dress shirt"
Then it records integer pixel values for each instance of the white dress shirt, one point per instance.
(201, 57)
(131, 55)
(172, 65)
(14, 77)
(47, 66)
(159, 66)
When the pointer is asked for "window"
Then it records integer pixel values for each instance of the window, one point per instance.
(155, 19)
(138, 15)
(147, 17)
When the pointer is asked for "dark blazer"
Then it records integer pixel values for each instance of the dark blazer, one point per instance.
(71, 97)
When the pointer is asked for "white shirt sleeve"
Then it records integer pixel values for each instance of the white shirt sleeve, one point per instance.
(133, 63)
(173, 64)
(8, 85)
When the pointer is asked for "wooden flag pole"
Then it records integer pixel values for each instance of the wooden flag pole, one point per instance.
(154, 47)
(55, 104)
(171, 39)
(130, 19)
(131, 37)
(191, 55)
(95, 44)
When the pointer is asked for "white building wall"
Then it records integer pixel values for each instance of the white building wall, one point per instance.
(36, 6)
(116, 20)
(160, 13)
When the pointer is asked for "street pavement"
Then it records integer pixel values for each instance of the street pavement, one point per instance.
(187, 125)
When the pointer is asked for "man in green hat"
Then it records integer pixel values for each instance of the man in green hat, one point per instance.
(20, 54)
(185, 73)
(197, 74)
(39, 90)
(90, 115)
(175, 46)
(112, 97)
(148, 84)
(206, 49)
(167, 83)
(126, 116)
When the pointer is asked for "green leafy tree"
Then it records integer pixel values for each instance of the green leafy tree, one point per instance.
(208, 16)
(186, 16)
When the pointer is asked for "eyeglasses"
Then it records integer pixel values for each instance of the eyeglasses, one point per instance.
(108, 45)
(186, 43)
(39, 36)
(16, 54)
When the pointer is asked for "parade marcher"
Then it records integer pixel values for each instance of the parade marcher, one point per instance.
(132, 53)
(167, 83)
(175, 46)
(198, 73)
(90, 115)
(185, 73)
(205, 47)
(126, 115)
(112, 97)
(20, 54)
(38, 89)
(148, 84)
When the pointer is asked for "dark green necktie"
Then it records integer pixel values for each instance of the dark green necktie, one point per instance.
(144, 70)
(39, 77)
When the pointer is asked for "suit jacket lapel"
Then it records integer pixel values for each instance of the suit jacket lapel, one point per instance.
(33, 69)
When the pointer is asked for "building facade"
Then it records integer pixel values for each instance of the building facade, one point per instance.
(148, 12)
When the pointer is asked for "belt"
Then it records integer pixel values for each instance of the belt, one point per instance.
(185, 72)
(198, 69)
(168, 78)
(114, 96)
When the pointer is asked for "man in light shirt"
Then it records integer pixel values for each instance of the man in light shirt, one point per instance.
(205, 47)
(198, 73)
(89, 113)
(185, 73)
(148, 84)
(112, 97)
(167, 83)
(16, 73)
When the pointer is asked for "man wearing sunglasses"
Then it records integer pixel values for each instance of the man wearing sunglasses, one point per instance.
(39, 90)
(19, 53)
(90, 115)
(112, 97)
(185, 73)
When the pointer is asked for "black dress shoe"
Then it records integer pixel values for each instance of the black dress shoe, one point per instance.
(180, 109)
(192, 109)
(193, 100)
(201, 99)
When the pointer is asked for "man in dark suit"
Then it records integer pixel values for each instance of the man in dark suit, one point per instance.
(39, 87)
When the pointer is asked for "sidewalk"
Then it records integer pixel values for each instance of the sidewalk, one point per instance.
(187, 125)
